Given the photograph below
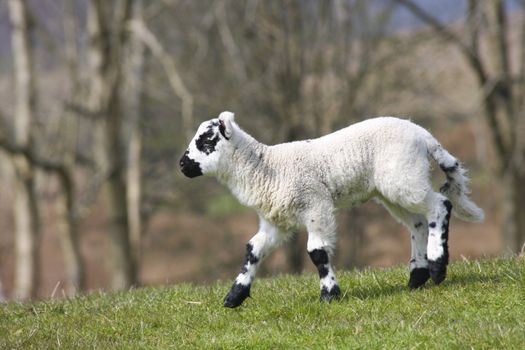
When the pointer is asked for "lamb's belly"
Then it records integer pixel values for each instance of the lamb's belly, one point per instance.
(352, 194)
(352, 200)
(282, 216)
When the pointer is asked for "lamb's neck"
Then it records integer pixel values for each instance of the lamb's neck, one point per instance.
(245, 168)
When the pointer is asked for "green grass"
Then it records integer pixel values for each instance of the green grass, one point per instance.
(480, 305)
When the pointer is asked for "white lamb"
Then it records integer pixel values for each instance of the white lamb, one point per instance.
(302, 183)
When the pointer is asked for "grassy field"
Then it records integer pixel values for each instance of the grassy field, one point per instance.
(480, 305)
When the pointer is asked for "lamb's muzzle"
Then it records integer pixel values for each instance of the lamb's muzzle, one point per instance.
(189, 167)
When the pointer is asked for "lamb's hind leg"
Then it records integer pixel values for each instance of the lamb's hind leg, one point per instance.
(438, 216)
(267, 238)
(419, 272)
(417, 225)
(321, 244)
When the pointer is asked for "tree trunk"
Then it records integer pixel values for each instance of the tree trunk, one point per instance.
(25, 206)
(133, 179)
(69, 240)
(26, 230)
(69, 235)
(133, 137)
(514, 220)
(106, 55)
(114, 194)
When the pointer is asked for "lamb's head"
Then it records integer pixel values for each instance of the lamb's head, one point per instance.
(204, 151)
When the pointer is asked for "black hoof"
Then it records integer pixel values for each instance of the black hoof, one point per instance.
(437, 270)
(418, 277)
(237, 294)
(332, 294)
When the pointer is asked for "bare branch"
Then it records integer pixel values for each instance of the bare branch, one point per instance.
(33, 159)
(228, 41)
(177, 84)
(470, 53)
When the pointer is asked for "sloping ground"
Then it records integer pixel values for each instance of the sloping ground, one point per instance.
(480, 305)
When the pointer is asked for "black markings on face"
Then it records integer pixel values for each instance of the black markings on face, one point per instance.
(432, 225)
(189, 167)
(418, 225)
(207, 141)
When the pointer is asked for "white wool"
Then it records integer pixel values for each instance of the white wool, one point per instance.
(383, 157)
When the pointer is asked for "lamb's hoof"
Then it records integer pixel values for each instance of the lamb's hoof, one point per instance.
(237, 294)
(438, 270)
(332, 294)
(418, 277)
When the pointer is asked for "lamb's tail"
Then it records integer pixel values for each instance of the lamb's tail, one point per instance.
(456, 188)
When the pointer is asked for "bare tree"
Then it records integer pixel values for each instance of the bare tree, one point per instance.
(25, 207)
(107, 23)
(503, 99)
(132, 98)
(168, 63)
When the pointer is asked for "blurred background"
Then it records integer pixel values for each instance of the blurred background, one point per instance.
(99, 100)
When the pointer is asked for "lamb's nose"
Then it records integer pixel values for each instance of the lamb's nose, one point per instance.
(184, 159)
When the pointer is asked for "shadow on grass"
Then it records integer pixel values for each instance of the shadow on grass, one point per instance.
(376, 291)
(472, 278)
(372, 292)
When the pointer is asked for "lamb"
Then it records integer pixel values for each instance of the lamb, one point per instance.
(301, 184)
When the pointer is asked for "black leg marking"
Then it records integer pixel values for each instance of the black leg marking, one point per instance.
(323, 271)
(438, 269)
(332, 294)
(237, 294)
(250, 257)
(318, 256)
(418, 277)
(320, 259)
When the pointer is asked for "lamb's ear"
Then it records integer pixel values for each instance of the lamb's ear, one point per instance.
(226, 120)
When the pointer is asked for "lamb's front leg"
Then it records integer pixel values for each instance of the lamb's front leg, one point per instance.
(321, 244)
(257, 248)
